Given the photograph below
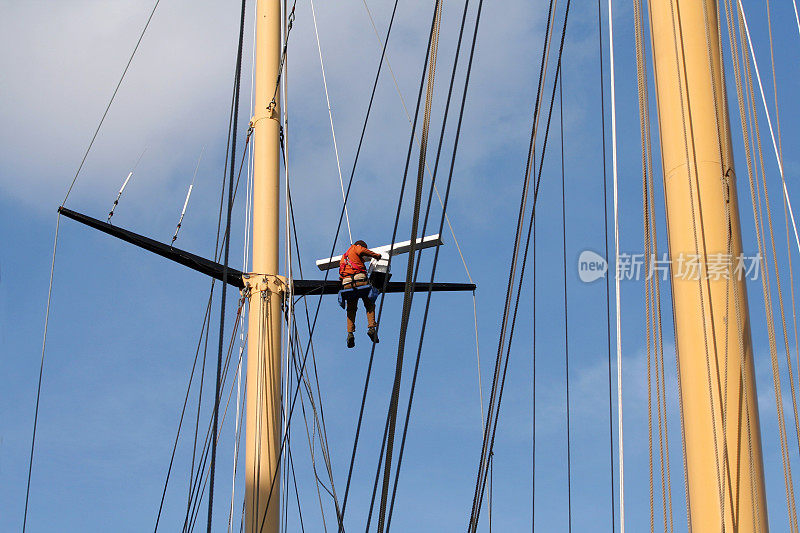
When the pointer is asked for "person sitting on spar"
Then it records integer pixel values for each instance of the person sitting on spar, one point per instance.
(353, 274)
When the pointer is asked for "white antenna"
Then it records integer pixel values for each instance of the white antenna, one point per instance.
(188, 194)
(124, 184)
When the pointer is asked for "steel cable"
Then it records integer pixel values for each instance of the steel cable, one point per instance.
(501, 363)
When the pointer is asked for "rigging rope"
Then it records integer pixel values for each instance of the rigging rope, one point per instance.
(394, 232)
(441, 226)
(226, 255)
(333, 247)
(566, 311)
(330, 117)
(620, 438)
(436, 189)
(41, 373)
(200, 480)
(744, 114)
(785, 207)
(698, 225)
(319, 421)
(533, 392)
(183, 410)
(769, 122)
(608, 282)
(786, 204)
(501, 363)
(654, 336)
(111, 101)
(433, 46)
(245, 262)
(289, 300)
(438, 196)
(53, 263)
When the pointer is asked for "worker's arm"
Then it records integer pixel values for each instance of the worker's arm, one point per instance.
(372, 254)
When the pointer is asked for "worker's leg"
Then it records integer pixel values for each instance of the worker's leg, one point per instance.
(369, 305)
(352, 307)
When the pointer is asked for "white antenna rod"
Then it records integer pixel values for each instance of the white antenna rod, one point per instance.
(188, 194)
(124, 184)
(183, 212)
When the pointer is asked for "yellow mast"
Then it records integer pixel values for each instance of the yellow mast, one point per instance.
(263, 429)
(718, 393)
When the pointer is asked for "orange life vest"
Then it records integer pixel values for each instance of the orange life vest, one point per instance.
(351, 262)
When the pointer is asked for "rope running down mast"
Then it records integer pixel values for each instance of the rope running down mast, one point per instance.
(620, 438)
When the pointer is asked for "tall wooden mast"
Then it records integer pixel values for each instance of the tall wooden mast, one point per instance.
(718, 393)
(263, 430)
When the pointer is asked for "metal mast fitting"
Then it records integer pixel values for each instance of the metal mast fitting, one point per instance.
(263, 426)
(715, 357)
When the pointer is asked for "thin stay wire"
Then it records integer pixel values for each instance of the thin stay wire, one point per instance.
(330, 117)
(566, 309)
(111, 101)
(446, 215)
(433, 47)
(769, 123)
(620, 439)
(226, 255)
(53, 262)
(608, 282)
(501, 360)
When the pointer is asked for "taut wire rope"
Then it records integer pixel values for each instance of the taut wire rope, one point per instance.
(763, 184)
(288, 306)
(53, 263)
(744, 109)
(566, 309)
(433, 47)
(440, 228)
(319, 420)
(769, 123)
(769, 216)
(447, 216)
(408, 117)
(652, 290)
(533, 391)
(618, 315)
(330, 117)
(796, 16)
(333, 247)
(531, 156)
(501, 362)
(785, 207)
(607, 280)
(226, 256)
(245, 268)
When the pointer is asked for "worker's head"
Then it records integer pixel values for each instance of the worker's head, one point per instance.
(361, 243)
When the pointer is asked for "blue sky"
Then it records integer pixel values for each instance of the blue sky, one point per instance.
(124, 324)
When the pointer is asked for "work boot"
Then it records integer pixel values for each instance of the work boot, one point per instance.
(373, 334)
(351, 339)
